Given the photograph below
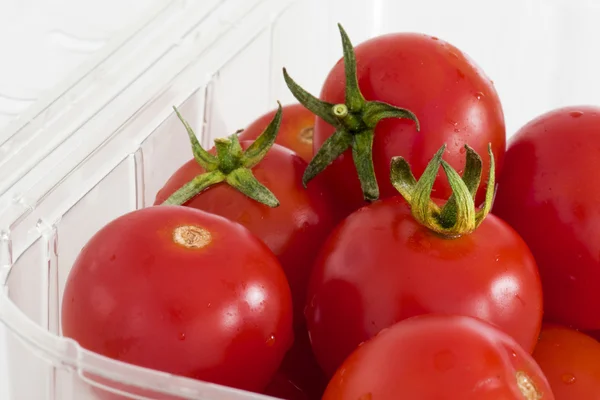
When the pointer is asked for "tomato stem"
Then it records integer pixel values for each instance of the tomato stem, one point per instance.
(195, 186)
(458, 216)
(231, 165)
(354, 124)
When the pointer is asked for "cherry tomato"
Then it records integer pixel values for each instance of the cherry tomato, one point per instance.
(380, 266)
(547, 194)
(571, 362)
(451, 96)
(437, 357)
(295, 132)
(181, 291)
(294, 230)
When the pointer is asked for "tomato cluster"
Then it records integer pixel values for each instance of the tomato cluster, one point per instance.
(321, 254)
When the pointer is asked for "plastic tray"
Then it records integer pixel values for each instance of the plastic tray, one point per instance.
(105, 145)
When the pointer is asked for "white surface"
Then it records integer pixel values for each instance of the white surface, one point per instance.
(41, 42)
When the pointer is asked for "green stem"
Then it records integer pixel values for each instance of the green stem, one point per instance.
(458, 216)
(195, 186)
(356, 117)
(232, 165)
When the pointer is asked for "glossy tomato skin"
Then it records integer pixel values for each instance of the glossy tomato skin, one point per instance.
(380, 266)
(571, 362)
(220, 313)
(295, 131)
(547, 193)
(455, 102)
(438, 357)
(294, 230)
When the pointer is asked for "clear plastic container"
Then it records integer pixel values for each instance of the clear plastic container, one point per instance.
(106, 141)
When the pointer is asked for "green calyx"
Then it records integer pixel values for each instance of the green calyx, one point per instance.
(354, 124)
(458, 216)
(231, 165)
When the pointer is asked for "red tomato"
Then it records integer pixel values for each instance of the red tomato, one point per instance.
(294, 231)
(455, 102)
(571, 362)
(181, 291)
(381, 266)
(547, 194)
(295, 132)
(435, 357)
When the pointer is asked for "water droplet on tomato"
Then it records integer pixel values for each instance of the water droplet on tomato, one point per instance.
(479, 95)
(576, 114)
(271, 340)
(453, 54)
(208, 305)
(569, 379)
(360, 344)
(434, 38)
(513, 354)
(456, 130)
(182, 336)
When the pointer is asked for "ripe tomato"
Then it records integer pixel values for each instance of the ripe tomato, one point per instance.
(454, 101)
(571, 362)
(381, 266)
(546, 194)
(295, 132)
(294, 230)
(181, 291)
(436, 357)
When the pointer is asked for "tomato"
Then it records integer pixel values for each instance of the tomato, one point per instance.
(547, 193)
(571, 362)
(380, 266)
(294, 229)
(181, 291)
(452, 98)
(295, 132)
(442, 358)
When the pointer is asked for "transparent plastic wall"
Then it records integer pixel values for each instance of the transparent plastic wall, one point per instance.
(108, 141)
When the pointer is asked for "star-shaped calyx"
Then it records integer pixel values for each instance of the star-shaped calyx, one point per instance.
(458, 216)
(231, 165)
(354, 123)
